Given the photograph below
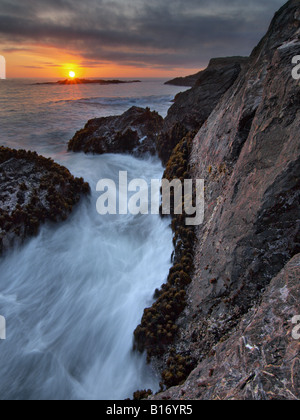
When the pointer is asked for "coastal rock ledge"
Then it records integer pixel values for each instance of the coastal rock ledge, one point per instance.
(33, 190)
(133, 132)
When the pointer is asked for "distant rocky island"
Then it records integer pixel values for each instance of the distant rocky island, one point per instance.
(89, 82)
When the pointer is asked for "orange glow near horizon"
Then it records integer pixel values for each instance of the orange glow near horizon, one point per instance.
(40, 62)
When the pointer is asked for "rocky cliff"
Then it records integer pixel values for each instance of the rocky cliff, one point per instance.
(236, 325)
(188, 81)
(192, 108)
(215, 64)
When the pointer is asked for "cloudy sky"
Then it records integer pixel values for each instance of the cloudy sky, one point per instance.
(111, 38)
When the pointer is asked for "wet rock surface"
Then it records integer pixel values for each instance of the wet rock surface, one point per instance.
(33, 190)
(133, 132)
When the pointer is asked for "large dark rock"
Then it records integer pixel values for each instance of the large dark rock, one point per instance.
(33, 190)
(133, 132)
(192, 108)
(188, 81)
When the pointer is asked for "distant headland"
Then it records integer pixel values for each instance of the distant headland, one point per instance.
(88, 82)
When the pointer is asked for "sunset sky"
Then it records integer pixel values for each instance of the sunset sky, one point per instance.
(127, 38)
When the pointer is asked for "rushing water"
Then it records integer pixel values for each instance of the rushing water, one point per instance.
(73, 296)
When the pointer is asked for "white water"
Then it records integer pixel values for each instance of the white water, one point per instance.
(73, 296)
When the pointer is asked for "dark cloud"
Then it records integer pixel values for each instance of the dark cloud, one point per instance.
(158, 33)
(33, 67)
(15, 49)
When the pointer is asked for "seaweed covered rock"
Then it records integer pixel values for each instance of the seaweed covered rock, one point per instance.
(178, 369)
(133, 132)
(158, 328)
(33, 190)
(142, 395)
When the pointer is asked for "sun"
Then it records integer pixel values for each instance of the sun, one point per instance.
(72, 74)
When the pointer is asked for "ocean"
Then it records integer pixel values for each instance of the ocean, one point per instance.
(73, 295)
